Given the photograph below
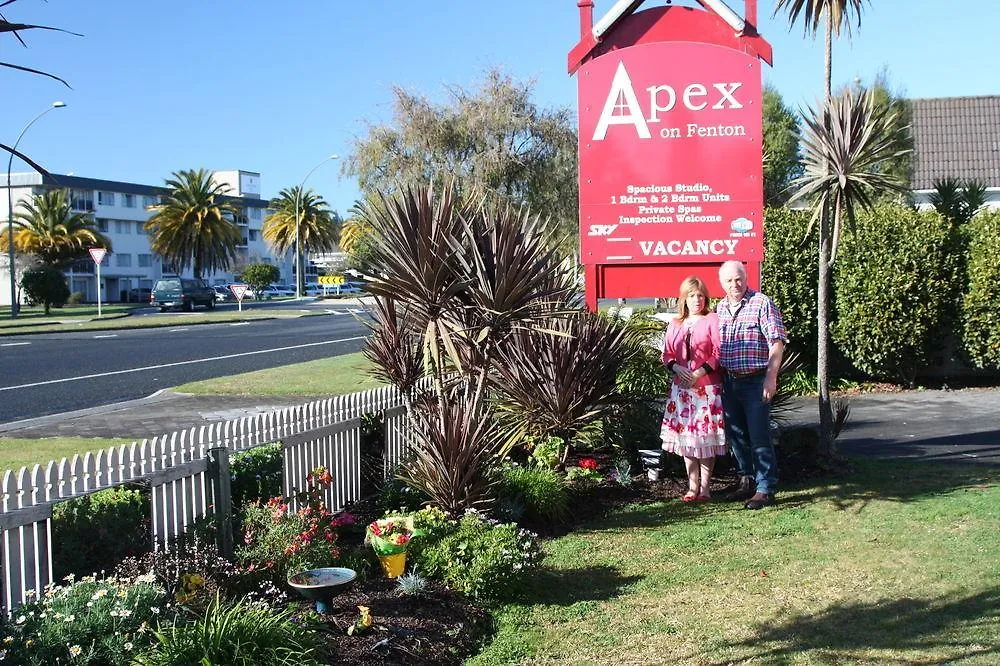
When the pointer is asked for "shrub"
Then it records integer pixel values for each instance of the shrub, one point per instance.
(894, 278)
(45, 285)
(256, 474)
(790, 275)
(979, 335)
(97, 531)
(482, 558)
(93, 622)
(193, 573)
(75, 298)
(241, 634)
(541, 492)
(260, 275)
(284, 543)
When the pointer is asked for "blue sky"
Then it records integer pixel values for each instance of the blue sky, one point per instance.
(244, 84)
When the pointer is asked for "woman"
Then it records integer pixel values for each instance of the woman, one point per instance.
(692, 422)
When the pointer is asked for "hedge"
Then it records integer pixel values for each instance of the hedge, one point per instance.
(979, 334)
(790, 274)
(895, 275)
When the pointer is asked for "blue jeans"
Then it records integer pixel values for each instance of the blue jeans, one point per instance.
(748, 428)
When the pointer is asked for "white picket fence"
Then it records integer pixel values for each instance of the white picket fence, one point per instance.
(323, 433)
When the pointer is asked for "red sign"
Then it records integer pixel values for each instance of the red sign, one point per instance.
(97, 254)
(239, 290)
(670, 155)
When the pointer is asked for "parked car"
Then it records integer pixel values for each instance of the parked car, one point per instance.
(181, 294)
(139, 294)
(223, 293)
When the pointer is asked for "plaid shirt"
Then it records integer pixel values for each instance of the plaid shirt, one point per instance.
(747, 333)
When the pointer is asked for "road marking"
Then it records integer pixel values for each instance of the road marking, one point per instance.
(113, 335)
(14, 344)
(191, 362)
(240, 323)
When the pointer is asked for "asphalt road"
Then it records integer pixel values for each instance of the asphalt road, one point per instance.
(61, 372)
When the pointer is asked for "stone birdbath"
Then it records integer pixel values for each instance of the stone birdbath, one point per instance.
(321, 584)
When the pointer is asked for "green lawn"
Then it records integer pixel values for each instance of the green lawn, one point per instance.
(894, 563)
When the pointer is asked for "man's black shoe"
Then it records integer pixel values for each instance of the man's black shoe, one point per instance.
(743, 490)
(760, 500)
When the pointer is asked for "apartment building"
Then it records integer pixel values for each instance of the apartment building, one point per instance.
(120, 211)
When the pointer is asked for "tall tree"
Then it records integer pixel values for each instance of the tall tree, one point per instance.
(492, 140)
(318, 225)
(835, 16)
(47, 228)
(192, 225)
(781, 147)
(845, 149)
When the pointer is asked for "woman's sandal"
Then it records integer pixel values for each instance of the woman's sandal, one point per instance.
(691, 496)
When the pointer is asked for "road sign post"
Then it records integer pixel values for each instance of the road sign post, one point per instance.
(239, 291)
(97, 254)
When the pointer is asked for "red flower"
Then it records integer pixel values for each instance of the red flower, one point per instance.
(588, 463)
(671, 407)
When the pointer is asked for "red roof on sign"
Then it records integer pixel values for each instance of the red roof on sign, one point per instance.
(632, 28)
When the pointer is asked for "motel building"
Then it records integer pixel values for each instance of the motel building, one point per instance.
(120, 212)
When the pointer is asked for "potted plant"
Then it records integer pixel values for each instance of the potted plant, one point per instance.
(389, 538)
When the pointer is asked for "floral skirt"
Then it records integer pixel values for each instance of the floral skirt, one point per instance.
(693, 425)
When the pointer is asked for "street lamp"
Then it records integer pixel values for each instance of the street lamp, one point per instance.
(10, 211)
(299, 279)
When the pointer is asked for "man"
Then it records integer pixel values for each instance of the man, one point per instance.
(752, 340)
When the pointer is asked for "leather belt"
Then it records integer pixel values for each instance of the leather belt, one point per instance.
(747, 375)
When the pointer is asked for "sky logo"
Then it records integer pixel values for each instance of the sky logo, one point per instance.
(741, 225)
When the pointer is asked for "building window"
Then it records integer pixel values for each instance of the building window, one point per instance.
(123, 226)
(102, 225)
(148, 201)
(106, 261)
(145, 260)
(123, 260)
(255, 213)
(81, 199)
(128, 200)
(140, 228)
(253, 234)
(106, 198)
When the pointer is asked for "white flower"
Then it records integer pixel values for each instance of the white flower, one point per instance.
(21, 619)
(75, 650)
(90, 603)
(3, 654)
(100, 593)
(128, 646)
(155, 610)
(69, 618)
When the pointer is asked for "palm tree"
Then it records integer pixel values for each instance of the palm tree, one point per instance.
(191, 226)
(318, 225)
(835, 15)
(352, 234)
(845, 147)
(48, 229)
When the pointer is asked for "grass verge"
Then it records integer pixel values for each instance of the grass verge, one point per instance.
(16, 453)
(893, 563)
(325, 377)
(322, 378)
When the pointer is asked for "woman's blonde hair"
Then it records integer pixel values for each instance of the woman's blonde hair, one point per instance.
(690, 284)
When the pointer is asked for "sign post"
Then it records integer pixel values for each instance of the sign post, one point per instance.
(97, 254)
(335, 280)
(239, 291)
(670, 142)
